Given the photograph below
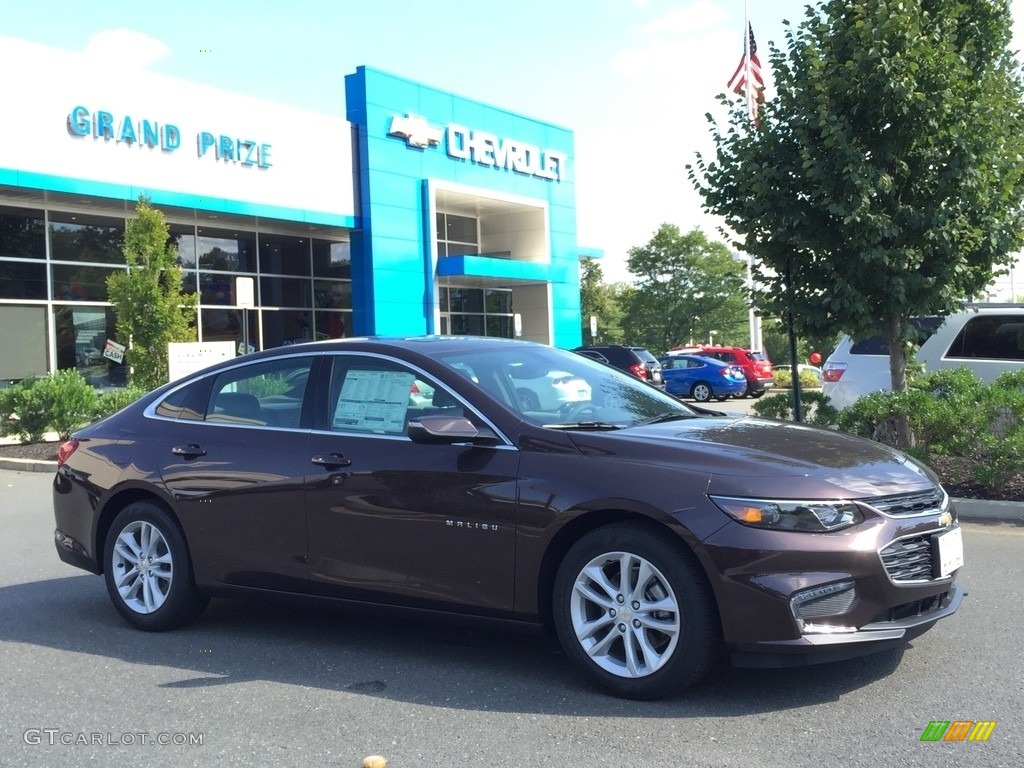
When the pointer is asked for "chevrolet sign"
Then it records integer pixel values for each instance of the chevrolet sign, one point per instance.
(481, 147)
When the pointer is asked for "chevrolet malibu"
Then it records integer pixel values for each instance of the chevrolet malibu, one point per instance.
(650, 536)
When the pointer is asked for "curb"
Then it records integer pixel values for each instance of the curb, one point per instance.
(967, 509)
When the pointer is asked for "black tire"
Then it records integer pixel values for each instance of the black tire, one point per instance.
(758, 394)
(722, 398)
(677, 659)
(162, 592)
(701, 392)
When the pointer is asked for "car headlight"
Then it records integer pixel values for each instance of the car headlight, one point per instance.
(790, 515)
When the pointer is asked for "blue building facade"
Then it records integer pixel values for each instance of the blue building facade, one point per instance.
(467, 216)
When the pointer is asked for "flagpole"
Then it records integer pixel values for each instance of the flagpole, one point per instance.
(746, 56)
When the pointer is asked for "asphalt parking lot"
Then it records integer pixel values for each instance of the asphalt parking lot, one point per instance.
(265, 685)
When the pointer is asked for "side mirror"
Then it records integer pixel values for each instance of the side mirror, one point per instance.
(449, 430)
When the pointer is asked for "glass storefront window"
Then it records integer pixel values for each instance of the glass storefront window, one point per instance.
(286, 327)
(284, 255)
(22, 280)
(24, 341)
(466, 300)
(22, 233)
(183, 237)
(226, 251)
(500, 326)
(217, 289)
(79, 237)
(74, 282)
(333, 325)
(285, 292)
(499, 301)
(225, 324)
(332, 259)
(82, 333)
(332, 294)
(467, 325)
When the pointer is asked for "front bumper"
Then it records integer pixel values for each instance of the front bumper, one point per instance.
(788, 598)
(871, 638)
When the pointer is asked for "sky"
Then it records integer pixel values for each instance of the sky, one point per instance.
(633, 79)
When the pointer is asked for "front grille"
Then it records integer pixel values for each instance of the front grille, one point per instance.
(909, 559)
(903, 504)
(831, 605)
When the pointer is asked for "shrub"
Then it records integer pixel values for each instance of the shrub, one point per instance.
(111, 402)
(784, 378)
(815, 408)
(60, 402)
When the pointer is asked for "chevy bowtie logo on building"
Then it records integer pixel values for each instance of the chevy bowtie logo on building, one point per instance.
(416, 131)
(481, 147)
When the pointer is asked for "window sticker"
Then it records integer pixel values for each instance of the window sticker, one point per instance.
(374, 400)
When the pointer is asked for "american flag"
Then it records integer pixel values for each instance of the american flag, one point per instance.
(749, 71)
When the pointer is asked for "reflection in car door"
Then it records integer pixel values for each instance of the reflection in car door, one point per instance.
(399, 522)
(233, 463)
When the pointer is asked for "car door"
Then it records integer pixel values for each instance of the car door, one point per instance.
(233, 449)
(399, 522)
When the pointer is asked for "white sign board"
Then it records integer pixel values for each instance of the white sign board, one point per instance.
(188, 357)
(245, 292)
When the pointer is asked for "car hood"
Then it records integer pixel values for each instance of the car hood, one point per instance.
(782, 459)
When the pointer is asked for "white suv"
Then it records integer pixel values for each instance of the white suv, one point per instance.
(986, 338)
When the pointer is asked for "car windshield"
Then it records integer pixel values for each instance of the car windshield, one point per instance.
(555, 388)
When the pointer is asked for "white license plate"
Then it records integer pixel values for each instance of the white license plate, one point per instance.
(951, 551)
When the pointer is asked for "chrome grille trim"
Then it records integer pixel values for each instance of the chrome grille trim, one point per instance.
(933, 502)
(909, 560)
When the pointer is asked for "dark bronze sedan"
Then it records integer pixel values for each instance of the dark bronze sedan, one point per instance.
(650, 535)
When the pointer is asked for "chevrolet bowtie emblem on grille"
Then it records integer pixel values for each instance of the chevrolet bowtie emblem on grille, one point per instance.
(416, 131)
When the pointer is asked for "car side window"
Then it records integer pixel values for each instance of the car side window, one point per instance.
(379, 396)
(262, 394)
(994, 337)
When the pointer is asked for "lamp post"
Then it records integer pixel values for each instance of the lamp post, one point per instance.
(711, 338)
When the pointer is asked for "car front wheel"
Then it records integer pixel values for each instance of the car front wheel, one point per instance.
(634, 613)
(148, 571)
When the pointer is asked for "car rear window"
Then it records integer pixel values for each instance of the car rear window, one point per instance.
(925, 327)
(644, 355)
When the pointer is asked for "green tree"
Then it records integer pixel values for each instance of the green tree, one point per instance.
(597, 299)
(149, 307)
(686, 287)
(885, 178)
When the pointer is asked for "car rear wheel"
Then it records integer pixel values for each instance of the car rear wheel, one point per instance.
(148, 571)
(757, 394)
(634, 613)
(701, 392)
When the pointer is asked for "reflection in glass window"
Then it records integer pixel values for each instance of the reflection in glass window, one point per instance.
(81, 334)
(262, 394)
(217, 289)
(226, 251)
(285, 327)
(285, 292)
(22, 233)
(22, 280)
(333, 325)
(332, 259)
(284, 255)
(332, 294)
(77, 237)
(73, 282)
(183, 238)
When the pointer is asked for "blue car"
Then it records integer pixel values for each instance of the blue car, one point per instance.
(701, 377)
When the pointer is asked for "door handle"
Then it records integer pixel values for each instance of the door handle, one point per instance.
(190, 450)
(332, 460)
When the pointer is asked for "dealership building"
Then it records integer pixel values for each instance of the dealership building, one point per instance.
(416, 212)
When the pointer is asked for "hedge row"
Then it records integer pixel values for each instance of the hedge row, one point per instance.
(950, 413)
(60, 402)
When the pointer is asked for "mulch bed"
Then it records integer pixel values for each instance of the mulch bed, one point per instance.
(951, 470)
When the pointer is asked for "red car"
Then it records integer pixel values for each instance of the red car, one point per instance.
(755, 365)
